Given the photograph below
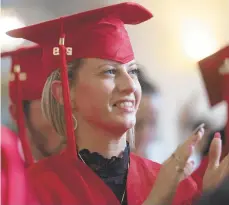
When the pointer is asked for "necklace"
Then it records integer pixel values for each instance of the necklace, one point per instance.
(124, 193)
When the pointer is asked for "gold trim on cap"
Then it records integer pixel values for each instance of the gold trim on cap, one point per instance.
(61, 41)
(17, 69)
(22, 76)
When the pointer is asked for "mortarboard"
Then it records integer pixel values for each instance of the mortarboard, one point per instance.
(98, 33)
(215, 73)
(26, 83)
(212, 72)
(32, 75)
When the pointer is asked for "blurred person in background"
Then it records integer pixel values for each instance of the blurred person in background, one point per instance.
(27, 82)
(146, 118)
(215, 73)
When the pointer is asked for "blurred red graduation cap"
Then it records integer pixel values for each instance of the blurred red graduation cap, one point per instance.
(27, 62)
(212, 72)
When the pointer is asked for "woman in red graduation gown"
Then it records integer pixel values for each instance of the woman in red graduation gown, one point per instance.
(94, 100)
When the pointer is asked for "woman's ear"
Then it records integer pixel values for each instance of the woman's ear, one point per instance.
(57, 91)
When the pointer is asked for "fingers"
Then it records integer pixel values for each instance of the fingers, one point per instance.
(224, 167)
(179, 159)
(196, 136)
(215, 151)
(198, 128)
(184, 151)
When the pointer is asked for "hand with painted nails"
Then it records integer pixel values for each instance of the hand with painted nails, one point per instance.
(217, 171)
(173, 170)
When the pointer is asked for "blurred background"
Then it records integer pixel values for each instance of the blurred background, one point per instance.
(168, 47)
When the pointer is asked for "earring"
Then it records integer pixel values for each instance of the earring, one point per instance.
(75, 122)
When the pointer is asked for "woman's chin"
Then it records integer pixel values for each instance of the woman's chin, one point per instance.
(124, 123)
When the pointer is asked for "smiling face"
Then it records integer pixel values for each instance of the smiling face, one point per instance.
(107, 94)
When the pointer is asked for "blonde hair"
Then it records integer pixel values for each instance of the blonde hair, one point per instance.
(54, 111)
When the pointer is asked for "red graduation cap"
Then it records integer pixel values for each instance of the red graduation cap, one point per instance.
(215, 73)
(26, 83)
(32, 74)
(98, 33)
(212, 72)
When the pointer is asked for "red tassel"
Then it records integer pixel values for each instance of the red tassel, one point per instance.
(71, 142)
(20, 120)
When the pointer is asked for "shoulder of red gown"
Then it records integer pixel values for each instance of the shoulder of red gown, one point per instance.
(187, 191)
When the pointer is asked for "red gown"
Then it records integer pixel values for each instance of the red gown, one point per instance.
(198, 174)
(15, 189)
(61, 180)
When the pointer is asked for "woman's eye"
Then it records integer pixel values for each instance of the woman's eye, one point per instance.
(110, 72)
(134, 72)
